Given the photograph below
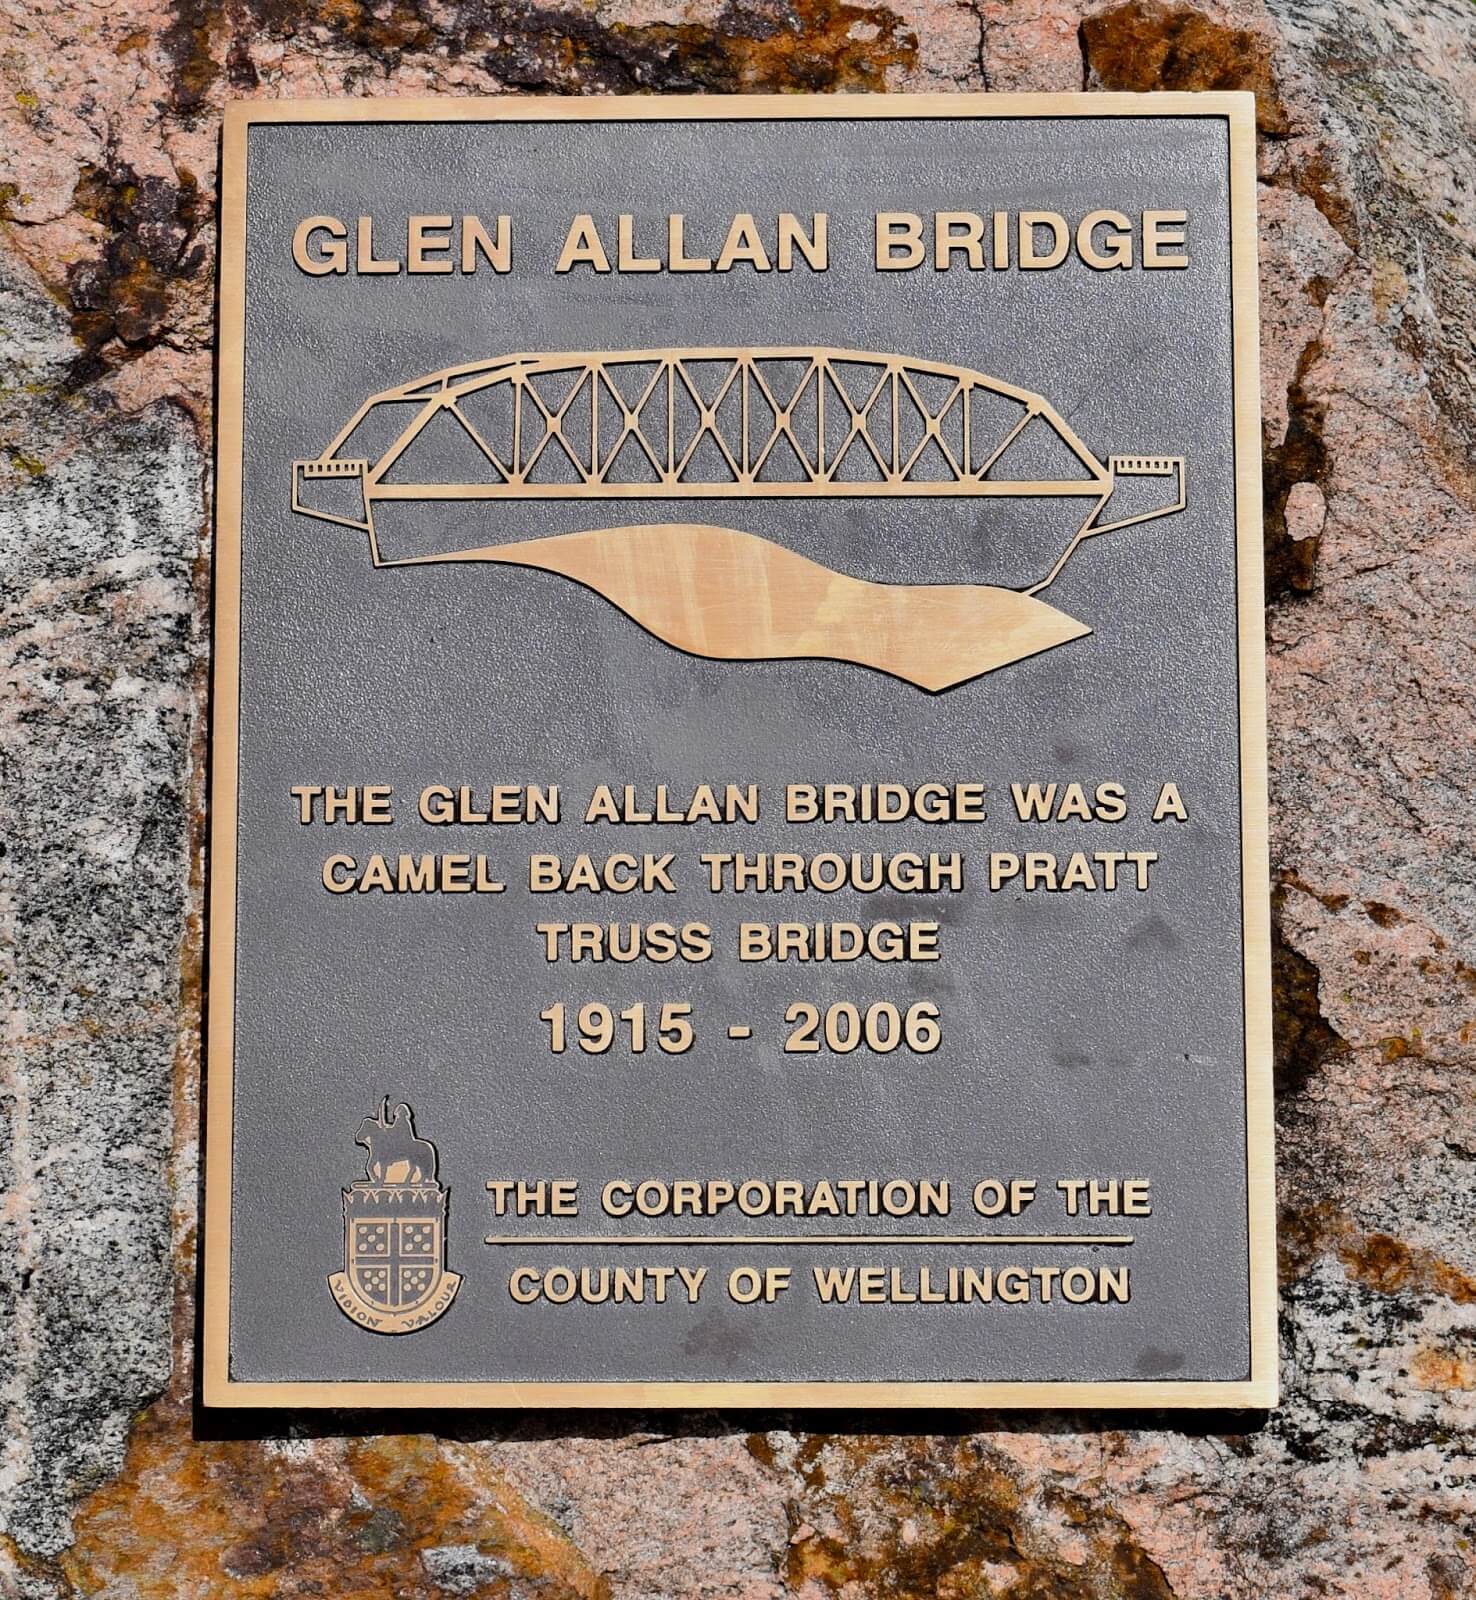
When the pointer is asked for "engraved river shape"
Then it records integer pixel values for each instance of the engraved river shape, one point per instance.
(738, 425)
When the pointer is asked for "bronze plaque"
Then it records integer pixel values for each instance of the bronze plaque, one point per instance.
(738, 859)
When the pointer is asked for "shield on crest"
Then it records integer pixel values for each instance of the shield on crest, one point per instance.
(394, 1232)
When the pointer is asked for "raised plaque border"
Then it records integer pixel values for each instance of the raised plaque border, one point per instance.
(1259, 1390)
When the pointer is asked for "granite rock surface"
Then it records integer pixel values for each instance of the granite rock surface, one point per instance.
(1363, 1483)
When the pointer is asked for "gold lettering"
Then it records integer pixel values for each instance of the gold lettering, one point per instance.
(899, 246)
(319, 257)
(498, 250)
(1164, 228)
(628, 260)
(813, 246)
(1029, 257)
(582, 246)
(365, 263)
(430, 245)
(1169, 804)
(1118, 243)
(676, 251)
(743, 244)
(947, 238)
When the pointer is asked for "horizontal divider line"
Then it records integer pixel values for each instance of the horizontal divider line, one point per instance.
(663, 1240)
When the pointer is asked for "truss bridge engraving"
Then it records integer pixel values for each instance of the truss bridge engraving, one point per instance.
(735, 424)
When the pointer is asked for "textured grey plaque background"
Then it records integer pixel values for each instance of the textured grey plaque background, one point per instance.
(1083, 1034)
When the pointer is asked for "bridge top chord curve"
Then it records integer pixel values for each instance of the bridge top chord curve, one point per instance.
(703, 423)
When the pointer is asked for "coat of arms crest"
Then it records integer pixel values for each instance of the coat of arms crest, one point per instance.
(394, 1278)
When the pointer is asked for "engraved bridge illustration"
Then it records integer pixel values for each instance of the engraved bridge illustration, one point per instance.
(702, 425)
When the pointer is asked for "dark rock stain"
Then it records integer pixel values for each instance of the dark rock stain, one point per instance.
(752, 46)
(1136, 1576)
(957, 1522)
(187, 42)
(121, 297)
(1304, 1039)
(1301, 457)
(1145, 45)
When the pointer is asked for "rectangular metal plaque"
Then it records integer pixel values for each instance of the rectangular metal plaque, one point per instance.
(738, 865)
